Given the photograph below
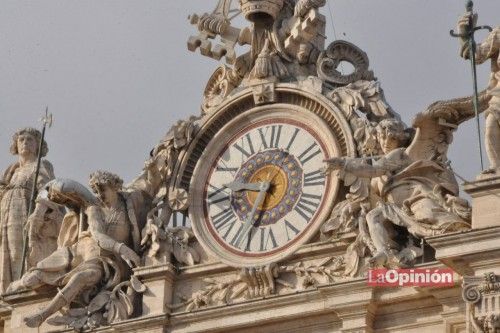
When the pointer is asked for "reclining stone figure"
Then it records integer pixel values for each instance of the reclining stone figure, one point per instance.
(98, 235)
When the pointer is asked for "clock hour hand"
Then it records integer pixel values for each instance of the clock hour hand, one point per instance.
(263, 188)
(238, 186)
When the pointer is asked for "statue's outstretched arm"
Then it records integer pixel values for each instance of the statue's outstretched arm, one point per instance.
(359, 167)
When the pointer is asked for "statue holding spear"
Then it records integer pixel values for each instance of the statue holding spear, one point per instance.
(18, 189)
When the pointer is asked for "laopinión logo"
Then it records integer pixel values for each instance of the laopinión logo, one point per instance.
(415, 277)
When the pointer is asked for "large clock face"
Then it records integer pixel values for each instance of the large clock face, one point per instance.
(263, 190)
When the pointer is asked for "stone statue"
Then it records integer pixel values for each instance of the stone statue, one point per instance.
(98, 236)
(44, 225)
(412, 186)
(159, 239)
(488, 49)
(15, 193)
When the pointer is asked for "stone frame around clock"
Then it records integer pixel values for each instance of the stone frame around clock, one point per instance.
(334, 129)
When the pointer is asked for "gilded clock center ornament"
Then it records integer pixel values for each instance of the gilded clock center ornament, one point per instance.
(284, 174)
(278, 186)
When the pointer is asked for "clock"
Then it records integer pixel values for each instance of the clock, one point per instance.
(258, 191)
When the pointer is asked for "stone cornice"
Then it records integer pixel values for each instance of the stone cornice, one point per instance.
(456, 250)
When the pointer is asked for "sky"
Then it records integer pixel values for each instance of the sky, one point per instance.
(116, 74)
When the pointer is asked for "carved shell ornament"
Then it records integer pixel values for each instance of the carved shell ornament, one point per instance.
(340, 51)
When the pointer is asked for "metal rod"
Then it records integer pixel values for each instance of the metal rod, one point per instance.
(475, 101)
(469, 37)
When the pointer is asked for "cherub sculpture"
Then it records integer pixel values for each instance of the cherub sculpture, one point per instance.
(412, 185)
(15, 192)
(98, 236)
(488, 49)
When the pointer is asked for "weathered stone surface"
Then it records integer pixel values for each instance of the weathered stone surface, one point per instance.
(16, 186)
(235, 225)
(485, 193)
(487, 50)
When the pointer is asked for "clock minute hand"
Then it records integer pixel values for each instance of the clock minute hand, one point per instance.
(238, 186)
(263, 187)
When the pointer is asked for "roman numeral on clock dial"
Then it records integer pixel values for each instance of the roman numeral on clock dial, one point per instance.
(224, 220)
(226, 169)
(314, 178)
(270, 136)
(267, 239)
(217, 194)
(307, 205)
(245, 146)
(292, 139)
(312, 151)
(236, 236)
(291, 230)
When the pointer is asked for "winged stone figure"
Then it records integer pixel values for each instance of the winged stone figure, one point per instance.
(410, 187)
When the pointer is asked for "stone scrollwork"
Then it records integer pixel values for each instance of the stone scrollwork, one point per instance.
(330, 60)
(310, 275)
(483, 296)
(259, 282)
(249, 283)
(219, 86)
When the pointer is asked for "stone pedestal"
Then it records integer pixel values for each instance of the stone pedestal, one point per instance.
(475, 254)
(21, 304)
(485, 193)
(469, 253)
(159, 281)
(477, 251)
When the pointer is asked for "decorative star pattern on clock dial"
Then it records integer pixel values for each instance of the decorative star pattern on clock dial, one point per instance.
(265, 187)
